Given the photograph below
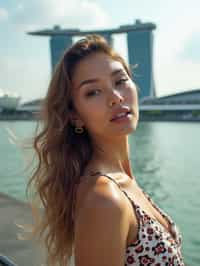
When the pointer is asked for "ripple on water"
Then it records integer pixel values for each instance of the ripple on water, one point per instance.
(165, 160)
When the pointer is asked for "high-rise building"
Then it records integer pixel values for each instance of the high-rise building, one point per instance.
(108, 37)
(140, 49)
(140, 53)
(58, 44)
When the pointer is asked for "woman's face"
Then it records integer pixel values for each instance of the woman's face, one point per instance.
(101, 89)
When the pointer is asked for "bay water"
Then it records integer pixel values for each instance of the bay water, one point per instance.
(165, 160)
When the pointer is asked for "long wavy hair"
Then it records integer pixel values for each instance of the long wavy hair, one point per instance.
(61, 154)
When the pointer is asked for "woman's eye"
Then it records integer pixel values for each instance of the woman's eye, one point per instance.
(92, 93)
(122, 80)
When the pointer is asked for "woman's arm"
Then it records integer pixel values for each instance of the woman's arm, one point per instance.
(101, 228)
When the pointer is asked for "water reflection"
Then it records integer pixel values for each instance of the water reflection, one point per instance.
(165, 160)
(147, 161)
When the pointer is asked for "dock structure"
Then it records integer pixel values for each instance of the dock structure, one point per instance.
(139, 43)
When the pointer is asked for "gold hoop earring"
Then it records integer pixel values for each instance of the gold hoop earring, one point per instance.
(78, 130)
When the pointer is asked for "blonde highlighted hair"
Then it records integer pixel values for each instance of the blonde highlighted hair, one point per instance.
(62, 155)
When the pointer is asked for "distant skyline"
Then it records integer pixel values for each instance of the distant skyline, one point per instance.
(25, 60)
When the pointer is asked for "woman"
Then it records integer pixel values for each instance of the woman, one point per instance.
(92, 203)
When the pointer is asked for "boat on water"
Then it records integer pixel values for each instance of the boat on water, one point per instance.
(8, 100)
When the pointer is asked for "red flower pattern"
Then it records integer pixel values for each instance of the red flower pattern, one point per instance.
(139, 249)
(146, 260)
(130, 259)
(150, 230)
(159, 248)
(154, 246)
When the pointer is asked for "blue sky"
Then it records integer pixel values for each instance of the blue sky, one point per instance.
(25, 59)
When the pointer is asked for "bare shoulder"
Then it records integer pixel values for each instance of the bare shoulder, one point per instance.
(101, 226)
(101, 193)
(100, 189)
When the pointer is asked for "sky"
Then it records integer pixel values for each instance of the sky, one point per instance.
(25, 59)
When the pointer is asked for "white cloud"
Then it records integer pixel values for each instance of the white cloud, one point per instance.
(46, 13)
(37, 14)
(3, 14)
(23, 77)
(174, 71)
(177, 21)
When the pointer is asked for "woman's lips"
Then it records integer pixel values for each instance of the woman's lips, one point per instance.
(123, 118)
(120, 112)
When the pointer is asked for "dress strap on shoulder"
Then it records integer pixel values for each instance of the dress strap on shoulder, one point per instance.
(111, 178)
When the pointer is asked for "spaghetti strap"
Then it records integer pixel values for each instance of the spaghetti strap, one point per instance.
(153, 239)
(135, 207)
(112, 179)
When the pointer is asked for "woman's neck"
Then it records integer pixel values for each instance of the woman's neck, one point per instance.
(112, 155)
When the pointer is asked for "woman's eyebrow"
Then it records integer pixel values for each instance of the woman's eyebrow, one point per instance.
(117, 71)
(89, 81)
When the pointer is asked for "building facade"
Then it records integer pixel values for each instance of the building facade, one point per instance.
(139, 43)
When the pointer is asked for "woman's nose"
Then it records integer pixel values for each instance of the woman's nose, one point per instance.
(115, 98)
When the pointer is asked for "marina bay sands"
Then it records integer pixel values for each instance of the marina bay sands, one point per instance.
(139, 43)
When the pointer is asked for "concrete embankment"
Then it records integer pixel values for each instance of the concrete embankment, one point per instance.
(21, 252)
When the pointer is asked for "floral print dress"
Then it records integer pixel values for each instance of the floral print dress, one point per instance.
(154, 246)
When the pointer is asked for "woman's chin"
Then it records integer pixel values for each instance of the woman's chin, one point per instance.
(125, 131)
